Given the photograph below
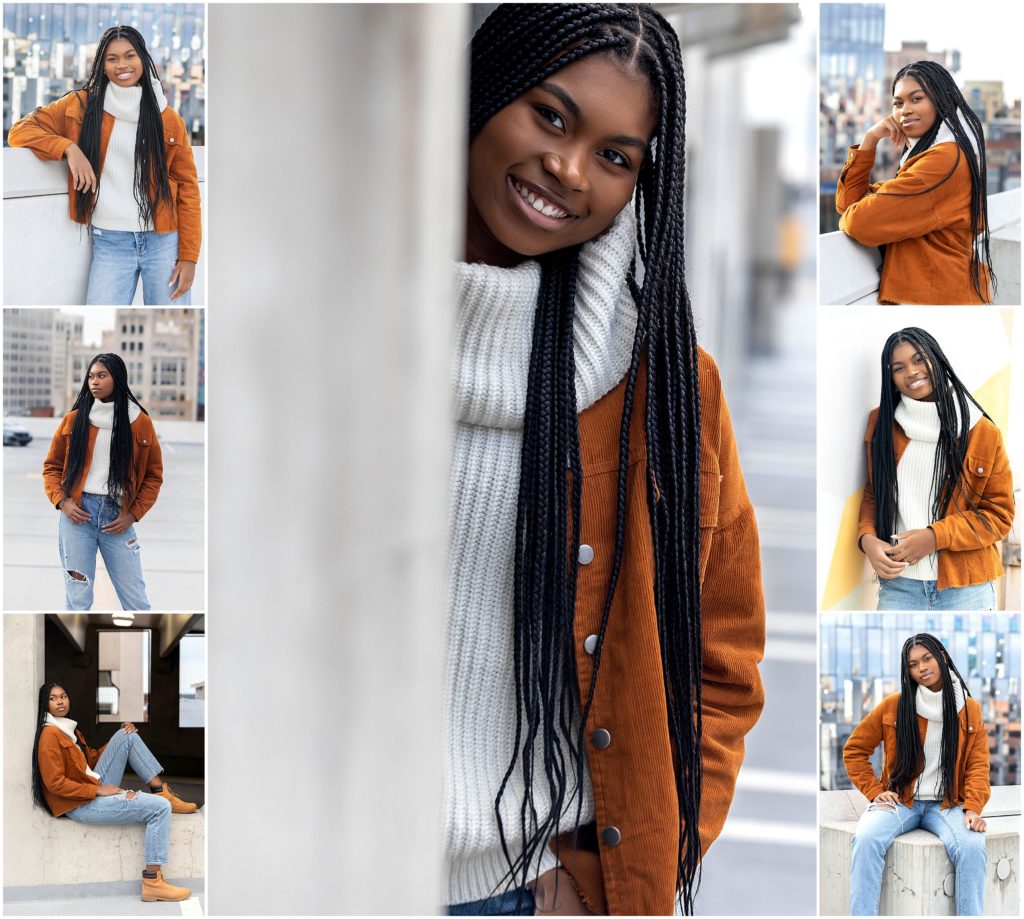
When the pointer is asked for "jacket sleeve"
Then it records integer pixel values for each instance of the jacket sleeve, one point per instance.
(977, 789)
(151, 481)
(54, 775)
(857, 754)
(182, 171)
(53, 466)
(855, 179)
(42, 131)
(866, 518)
(921, 199)
(973, 529)
(733, 628)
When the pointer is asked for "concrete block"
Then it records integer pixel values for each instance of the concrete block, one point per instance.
(918, 877)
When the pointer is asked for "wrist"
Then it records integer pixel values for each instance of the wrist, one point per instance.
(869, 141)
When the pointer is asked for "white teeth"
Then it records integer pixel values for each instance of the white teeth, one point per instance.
(538, 203)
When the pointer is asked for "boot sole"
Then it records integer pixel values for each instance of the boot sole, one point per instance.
(165, 899)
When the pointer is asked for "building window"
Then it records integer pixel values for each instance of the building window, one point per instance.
(192, 682)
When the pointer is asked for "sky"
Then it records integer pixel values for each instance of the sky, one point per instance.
(97, 319)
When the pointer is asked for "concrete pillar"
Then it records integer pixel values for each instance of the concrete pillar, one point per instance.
(337, 149)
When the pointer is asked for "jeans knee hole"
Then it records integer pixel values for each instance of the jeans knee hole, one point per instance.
(77, 576)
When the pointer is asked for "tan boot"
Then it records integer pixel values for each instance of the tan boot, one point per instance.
(158, 889)
(177, 805)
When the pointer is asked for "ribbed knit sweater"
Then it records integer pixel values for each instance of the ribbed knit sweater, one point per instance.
(101, 416)
(914, 474)
(116, 207)
(494, 328)
(929, 707)
(67, 726)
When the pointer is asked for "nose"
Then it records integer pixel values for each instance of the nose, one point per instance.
(567, 169)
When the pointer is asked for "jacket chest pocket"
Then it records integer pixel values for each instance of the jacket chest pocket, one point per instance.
(710, 494)
(143, 443)
(978, 469)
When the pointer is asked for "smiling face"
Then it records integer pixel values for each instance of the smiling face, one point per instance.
(101, 383)
(911, 108)
(924, 668)
(59, 704)
(911, 372)
(122, 63)
(555, 166)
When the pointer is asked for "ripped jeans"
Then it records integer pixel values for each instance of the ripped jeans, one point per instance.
(881, 823)
(78, 544)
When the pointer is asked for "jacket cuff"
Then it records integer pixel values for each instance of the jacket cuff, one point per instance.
(942, 537)
(974, 804)
(865, 529)
(137, 511)
(188, 254)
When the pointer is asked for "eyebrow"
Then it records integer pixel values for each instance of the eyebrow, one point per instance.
(625, 140)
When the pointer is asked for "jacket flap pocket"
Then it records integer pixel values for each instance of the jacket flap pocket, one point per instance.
(143, 439)
(978, 465)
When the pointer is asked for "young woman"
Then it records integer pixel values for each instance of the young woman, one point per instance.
(131, 175)
(939, 494)
(935, 775)
(606, 614)
(103, 473)
(71, 779)
(932, 219)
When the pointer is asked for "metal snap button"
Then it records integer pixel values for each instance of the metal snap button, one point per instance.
(601, 739)
(586, 554)
(611, 836)
(590, 644)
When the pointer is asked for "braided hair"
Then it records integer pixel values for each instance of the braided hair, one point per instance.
(121, 471)
(909, 760)
(953, 111)
(42, 711)
(949, 478)
(151, 185)
(516, 48)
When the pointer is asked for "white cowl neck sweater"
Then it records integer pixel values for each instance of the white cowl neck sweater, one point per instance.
(67, 726)
(101, 416)
(920, 422)
(116, 207)
(494, 328)
(929, 707)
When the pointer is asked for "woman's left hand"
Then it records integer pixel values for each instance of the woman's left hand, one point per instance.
(914, 545)
(974, 822)
(119, 524)
(566, 903)
(129, 728)
(183, 275)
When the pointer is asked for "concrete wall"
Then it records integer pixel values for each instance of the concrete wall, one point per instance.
(46, 255)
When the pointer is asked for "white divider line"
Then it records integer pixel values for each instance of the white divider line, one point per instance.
(773, 832)
(803, 625)
(781, 649)
(791, 783)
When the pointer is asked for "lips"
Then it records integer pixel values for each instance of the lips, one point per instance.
(531, 194)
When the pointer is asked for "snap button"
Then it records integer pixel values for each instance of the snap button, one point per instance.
(601, 739)
(611, 836)
(590, 644)
(172, 140)
(981, 469)
(586, 554)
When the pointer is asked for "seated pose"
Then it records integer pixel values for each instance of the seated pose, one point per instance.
(932, 218)
(70, 779)
(939, 494)
(103, 472)
(935, 775)
(131, 174)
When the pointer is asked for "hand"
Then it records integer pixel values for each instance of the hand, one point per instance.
(974, 822)
(129, 728)
(80, 169)
(105, 790)
(877, 552)
(914, 545)
(183, 275)
(887, 797)
(568, 901)
(888, 127)
(73, 512)
(119, 524)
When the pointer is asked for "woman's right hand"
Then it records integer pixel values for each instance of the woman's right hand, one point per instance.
(73, 512)
(887, 797)
(107, 789)
(877, 552)
(81, 169)
(889, 128)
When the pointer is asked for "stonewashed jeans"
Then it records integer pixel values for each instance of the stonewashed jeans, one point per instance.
(881, 823)
(78, 544)
(503, 904)
(152, 810)
(120, 257)
(910, 594)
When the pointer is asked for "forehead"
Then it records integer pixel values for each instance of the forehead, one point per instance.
(906, 86)
(904, 351)
(58, 690)
(98, 367)
(917, 652)
(120, 46)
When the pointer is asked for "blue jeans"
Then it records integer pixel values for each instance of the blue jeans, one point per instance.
(78, 545)
(152, 810)
(119, 257)
(880, 824)
(908, 594)
(503, 904)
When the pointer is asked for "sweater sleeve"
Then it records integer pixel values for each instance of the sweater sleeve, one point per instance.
(922, 198)
(52, 771)
(857, 754)
(42, 131)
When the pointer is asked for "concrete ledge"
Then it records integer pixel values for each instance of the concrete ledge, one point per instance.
(918, 877)
(39, 894)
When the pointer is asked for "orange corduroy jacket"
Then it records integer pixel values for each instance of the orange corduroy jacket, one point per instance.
(148, 472)
(922, 217)
(50, 130)
(66, 784)
(634, 777)
(879, 727)
(965, 539)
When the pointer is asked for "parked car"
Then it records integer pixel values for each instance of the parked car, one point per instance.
(15, 435)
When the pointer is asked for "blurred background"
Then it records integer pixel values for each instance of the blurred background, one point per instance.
(979, 345)
(342, 255)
